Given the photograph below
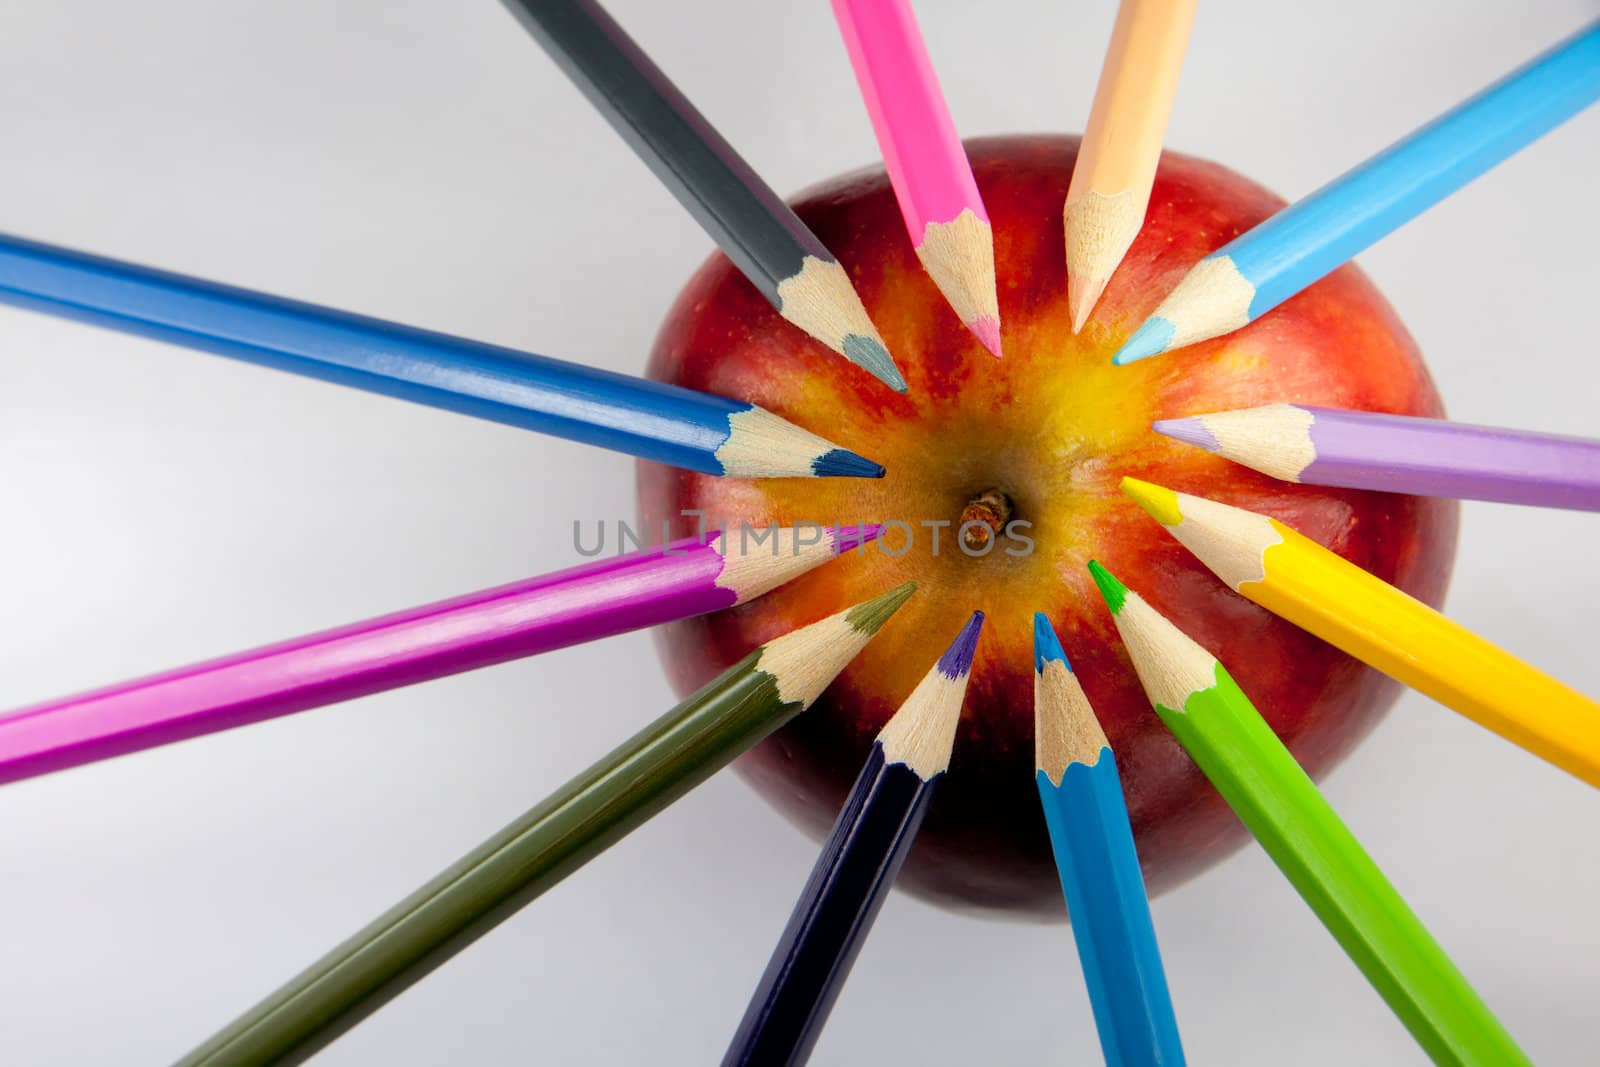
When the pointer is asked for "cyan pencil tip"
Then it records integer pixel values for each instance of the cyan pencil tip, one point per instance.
(1150, 339)
(1046, 645)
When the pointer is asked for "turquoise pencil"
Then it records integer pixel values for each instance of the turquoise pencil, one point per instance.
(1088, 820)
(1259, 270)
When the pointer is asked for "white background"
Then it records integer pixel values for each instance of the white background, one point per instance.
(422, 160)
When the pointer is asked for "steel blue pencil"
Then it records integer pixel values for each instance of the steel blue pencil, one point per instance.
(666, 423)
(1259, 270)
(1081, 793)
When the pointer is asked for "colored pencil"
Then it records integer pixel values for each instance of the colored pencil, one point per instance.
(573, 825)
(1254, 273)
(1400, 454)
(1235, 748)
(749, 222)
(1294, 577)
(927, 164)
(690, 577)
(858, 864)
(1084, 810)
(1121, 147)
(664, 423)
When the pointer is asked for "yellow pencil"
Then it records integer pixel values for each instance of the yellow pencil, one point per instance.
(1296, 578)
(1117, 163)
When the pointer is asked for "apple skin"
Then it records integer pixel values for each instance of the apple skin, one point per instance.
(1055, 426)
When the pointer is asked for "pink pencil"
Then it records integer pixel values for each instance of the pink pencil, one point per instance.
(932, 179)
(689, 577)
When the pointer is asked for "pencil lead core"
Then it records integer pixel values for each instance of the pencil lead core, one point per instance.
(842, 463)
(870, 355)
(1115, 592)
(1046, 645)
(870, 616)
(957, 659)
(1159, 502)
(1191, 431)
(1150, 339)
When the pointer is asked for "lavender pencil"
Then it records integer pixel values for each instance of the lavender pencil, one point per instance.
(1401, 454)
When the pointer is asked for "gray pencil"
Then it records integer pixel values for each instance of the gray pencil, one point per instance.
(756, 229)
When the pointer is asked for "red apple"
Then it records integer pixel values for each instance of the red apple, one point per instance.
(1053, 426)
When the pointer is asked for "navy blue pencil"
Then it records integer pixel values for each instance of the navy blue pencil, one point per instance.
(858, 864)
(666, 423)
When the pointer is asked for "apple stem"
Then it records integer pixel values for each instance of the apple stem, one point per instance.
(983, 518)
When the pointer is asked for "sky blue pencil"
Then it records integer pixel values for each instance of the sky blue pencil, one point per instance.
(666, 423)
(1088, 819)
(1259, 270)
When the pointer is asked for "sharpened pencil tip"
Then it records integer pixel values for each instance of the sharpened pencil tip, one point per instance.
(987, 330)
(1046, 645)
(842, 463)
(849, 537)
(1190, 431)
(1148, 340)
(869, 354)
(1159, 502)
(868, 617)
(957, 659)
(1081, 299)
(1114, 591)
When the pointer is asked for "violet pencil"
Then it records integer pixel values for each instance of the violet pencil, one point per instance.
(690, 577)
(1401, 454)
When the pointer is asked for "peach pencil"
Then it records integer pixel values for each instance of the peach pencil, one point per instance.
(1122, 144)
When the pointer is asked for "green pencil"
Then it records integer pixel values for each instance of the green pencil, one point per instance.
(1228, 739)
(573, 825)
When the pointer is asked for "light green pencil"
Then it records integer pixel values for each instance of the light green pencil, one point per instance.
(1228, 739)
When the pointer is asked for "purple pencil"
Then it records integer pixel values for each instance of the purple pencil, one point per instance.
(1401, 454)
(689, 577)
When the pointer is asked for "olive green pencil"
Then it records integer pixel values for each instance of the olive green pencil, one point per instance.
(573, 825)
(1233, 745)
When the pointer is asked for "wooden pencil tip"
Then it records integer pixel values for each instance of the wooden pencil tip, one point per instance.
(1150, 339)
(957, 659)
(1082, 296)
(869, 616)
(1159, 502)
(1046, 645)
(842, 463)
(1115, 593)
(871, 355)
(846, 538)
(1190, 431)
(986, 328)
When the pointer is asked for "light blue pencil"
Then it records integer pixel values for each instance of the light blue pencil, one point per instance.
(1259, 270)
(1088, 820)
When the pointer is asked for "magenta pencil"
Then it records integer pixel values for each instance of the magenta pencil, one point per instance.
(1401, 454)
(629, 592)
(927, 164)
